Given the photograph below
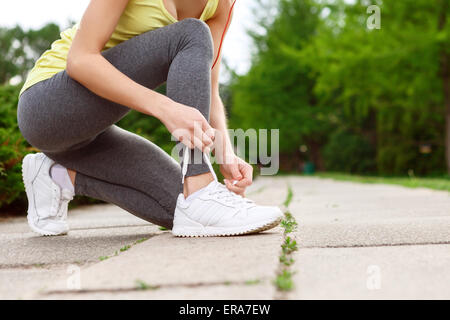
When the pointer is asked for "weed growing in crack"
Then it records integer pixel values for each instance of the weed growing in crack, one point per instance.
(289, 246)
(140, 241)
(163, 228)
(252, 282)
(142, 285)
(289, 224)
(285, 260)
(289, 196)
(284, 281)
(125, 248)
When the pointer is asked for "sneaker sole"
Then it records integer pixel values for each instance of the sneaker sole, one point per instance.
(30, 197)
(205, 232)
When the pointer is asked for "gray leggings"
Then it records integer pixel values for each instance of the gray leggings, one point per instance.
(75, 127)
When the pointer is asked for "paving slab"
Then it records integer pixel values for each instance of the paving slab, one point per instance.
(261, 291)
(171, 262)
(110, 228)
(29, 262)
(369, 241)
(336, 213)
(39, 267)
(18, 283)
(396, 272)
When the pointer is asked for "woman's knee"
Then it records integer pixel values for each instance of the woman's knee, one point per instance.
(198, 31)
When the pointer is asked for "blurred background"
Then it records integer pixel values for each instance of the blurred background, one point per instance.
(351, 102)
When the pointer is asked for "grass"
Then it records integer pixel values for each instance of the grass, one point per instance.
(437, 183)
(284, 281)
(289, 196)
(125, 248)
(289, 246)
(289, 224)
(285, 260)
(140, 241)
(142, 285)
(252, 282)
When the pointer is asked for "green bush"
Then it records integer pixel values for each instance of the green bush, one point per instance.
(402, 133)
(13, 148)
(349, 152)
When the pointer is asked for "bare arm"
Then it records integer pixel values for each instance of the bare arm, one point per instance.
(86, 65)
(218, 117)
(234, 168)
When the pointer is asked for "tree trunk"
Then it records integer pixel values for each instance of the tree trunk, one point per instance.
(445, 73)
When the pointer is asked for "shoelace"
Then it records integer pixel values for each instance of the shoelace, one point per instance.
(57, 207)
(220, 191)
(230, 197)
(186, 157)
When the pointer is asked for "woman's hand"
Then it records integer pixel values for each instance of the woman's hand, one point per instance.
(236, 169)
(188, 126)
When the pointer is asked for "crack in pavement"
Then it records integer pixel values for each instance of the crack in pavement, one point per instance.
(377, 245)
(156, 287)
(283, 280)
(112, 227)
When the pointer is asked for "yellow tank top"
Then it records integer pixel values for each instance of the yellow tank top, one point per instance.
(138, 17)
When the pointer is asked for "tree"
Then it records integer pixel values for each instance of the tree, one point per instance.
(19, 49)
(277, 91)
(384, 84)
(323, 77)
(444, 32)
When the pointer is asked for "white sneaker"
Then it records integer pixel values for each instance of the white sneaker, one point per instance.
(47, 202)
(220, 212)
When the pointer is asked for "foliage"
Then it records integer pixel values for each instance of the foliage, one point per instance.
(352, 99)
(19, 49)
(12, 148)
(348, 152)
(325, 79)
(277, 91)
(436, 183)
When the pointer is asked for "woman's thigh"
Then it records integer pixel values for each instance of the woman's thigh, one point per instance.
(59, 113)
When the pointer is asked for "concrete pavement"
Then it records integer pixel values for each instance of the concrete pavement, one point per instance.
(370, 241)
(355, 241)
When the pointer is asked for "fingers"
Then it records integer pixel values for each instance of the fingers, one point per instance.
(203, 135)
(195, 138)
(234, 188)
(243, 183)
(235, 172)
(185, 139)
(247, 172)
(198, 143)
(208, 130)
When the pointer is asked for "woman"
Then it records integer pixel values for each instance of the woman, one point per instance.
(92, 77)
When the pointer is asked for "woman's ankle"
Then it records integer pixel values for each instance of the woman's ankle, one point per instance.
(63, 177)
(72, 175)
(195, 183)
